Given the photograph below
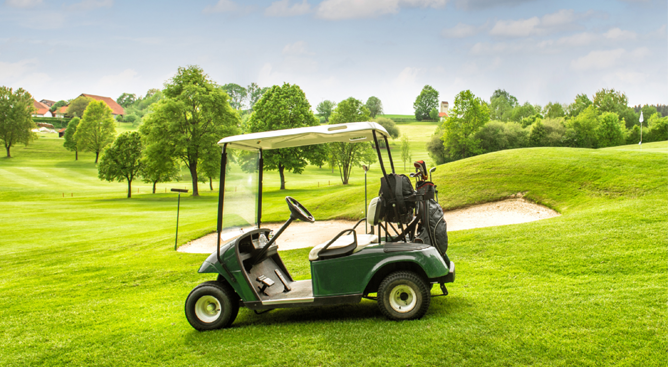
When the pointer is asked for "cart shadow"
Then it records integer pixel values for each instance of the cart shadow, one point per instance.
(365, 311)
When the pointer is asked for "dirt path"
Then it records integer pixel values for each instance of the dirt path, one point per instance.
(300, 234)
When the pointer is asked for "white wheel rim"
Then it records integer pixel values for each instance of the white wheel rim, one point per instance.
(207, 309)
(403, 298)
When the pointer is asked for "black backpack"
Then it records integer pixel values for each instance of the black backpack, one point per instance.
(397, 198)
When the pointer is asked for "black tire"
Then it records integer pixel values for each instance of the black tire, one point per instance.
(403, 295)
(212, 305)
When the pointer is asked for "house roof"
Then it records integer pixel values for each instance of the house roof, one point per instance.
(116, 109)
(40, 108)
(62, 109)
(62, 130)
(48, 102)
(352, 132)
(442, 114)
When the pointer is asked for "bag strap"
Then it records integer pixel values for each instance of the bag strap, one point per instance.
(398, 194)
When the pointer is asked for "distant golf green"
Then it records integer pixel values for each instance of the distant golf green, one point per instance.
(89, 277)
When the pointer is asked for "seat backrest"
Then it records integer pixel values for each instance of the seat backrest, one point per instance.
(374, 213)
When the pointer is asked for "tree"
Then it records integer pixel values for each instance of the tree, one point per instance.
(492, 136)
(501, 105)
(520, 112)
(610, 100)
(122, 160)
(191, 118)
(538, 134)
(468, 115)
(78, 106)
(96, 130)
(375, 106)
(554, 110)
(237, 95)
(254, 93)
(433, 114)
(71, 143)
(581, 130)
(286, 107)
(325, 109)
(57, 105)
(126, 99)
(16, 122)
(405, 151)
(609, 132)
(348, 155)
(425, 101)
(158, 166)
(436, 148)
(658, 127)
(580, 103)
(389, 125)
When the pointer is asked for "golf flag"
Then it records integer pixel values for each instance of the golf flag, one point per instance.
(641, 119)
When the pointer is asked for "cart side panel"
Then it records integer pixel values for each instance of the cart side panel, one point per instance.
(351, 274)
(233, 274)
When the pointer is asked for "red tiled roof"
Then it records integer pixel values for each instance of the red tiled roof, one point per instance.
(442, 114)
(62, 109)
(116, 109)
(40, 108)
(62, 130)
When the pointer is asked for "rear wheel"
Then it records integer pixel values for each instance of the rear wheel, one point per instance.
(403, 295)
(212, 305)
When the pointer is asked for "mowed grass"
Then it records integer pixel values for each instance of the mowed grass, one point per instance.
(93, 279)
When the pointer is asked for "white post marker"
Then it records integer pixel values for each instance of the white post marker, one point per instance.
(641, 119)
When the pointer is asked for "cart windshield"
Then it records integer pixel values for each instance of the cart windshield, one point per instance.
(241, 193)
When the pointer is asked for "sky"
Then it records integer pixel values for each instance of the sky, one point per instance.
(538, 51)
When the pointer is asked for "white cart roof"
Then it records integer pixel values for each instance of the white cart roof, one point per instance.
(352, 132)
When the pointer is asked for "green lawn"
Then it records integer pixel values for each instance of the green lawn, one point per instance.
(91, 278)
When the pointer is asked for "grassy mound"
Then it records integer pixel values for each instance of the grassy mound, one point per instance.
(93, 279)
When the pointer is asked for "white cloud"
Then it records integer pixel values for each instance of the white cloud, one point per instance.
(461, 30)
(484, 4)
(222, 6)
(282, 8)
(407, 77)
(355, 9)
(534, 26)
(23, 3)
(294, 49)
(91, 4)
(619, 35)
(14, 70)
(580, 39)
(596, 60)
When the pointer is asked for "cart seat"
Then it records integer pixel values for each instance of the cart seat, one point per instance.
(363, 240)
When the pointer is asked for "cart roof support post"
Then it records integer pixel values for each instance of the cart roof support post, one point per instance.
(221, 194)
(259, 189)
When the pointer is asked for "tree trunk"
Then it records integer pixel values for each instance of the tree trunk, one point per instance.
(97, 155)
(76, 155)
(129, 189)
(154, 182)
(281, 168)
(193, 176)
(210, 184)
(9, 155)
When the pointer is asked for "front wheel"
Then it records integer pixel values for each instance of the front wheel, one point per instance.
(212, 305)
(403, 295)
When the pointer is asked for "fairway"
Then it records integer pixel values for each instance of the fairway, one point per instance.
(89, 277)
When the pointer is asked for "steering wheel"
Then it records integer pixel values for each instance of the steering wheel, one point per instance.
(298, 211)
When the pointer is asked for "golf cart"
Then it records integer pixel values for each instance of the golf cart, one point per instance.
(399, 260)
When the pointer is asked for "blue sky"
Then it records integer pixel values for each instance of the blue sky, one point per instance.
(539, 51)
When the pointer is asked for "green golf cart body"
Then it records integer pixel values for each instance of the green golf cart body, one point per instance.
(345, 269)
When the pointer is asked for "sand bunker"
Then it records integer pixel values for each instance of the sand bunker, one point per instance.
(300, 234)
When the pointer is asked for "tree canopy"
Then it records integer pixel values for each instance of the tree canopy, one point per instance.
(96, 130)
(78, 106)
(375, 106)
(425, 101)
(389, 125)
(158, 166)
(191, 118)
(286, 107)
(237, 95)
(348, 155)
(468, 115)
(501, 105)
(16, 122)
(122, 160)
(70, 142)
(325, 109)
(126, 99)
(254, 94)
